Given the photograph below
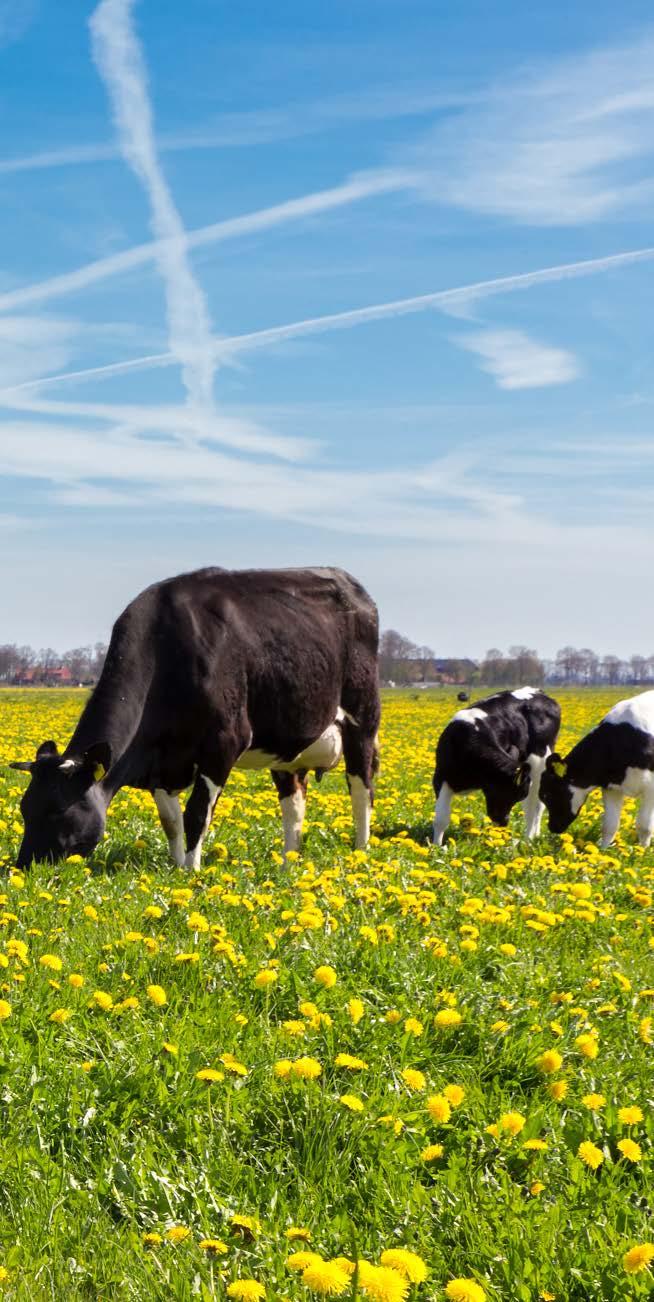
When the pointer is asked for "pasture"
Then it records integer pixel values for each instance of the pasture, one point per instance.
(206, 1078)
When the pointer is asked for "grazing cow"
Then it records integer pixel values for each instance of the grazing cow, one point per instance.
(618, 756)
(499, 746)
(256, 669)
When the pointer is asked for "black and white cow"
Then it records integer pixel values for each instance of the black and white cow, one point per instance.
(618, 756)
(206, 672)
(499, 746)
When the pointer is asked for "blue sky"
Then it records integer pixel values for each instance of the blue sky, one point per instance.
(227, 232)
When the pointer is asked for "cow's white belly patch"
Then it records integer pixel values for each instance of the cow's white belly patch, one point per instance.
(324, 753)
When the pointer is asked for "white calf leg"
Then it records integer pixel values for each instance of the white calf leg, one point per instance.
(532, 804)
(645, 820)
(172, 821)
(293, 808)
(442, 813)
(194, 852)
(612, 811)
(361, 798)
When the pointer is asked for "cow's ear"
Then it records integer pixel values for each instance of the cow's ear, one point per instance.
(21, 766)
(97, 759)
(47, 750)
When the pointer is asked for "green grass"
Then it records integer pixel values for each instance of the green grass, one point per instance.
(91, 1160)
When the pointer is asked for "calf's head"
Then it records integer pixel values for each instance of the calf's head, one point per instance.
(63, 807)
(504, 789)
(560, 797)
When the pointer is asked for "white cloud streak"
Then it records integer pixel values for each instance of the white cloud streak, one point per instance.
(517, 362)
(353, 190)
(443, 299)
(118, 57)
(556, 145)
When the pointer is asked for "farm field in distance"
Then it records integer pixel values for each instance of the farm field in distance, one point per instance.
(238, 1082)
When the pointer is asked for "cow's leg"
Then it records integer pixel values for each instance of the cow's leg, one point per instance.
(645, 819)
(612, 811)
(172, 821)
(533, 806)
(443, 811)
(197, 817)
(292, 792)
(361, 752)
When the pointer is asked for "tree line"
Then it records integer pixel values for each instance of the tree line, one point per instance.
(24, 665)
(403, 662)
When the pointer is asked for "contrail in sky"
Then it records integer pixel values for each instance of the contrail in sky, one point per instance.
(441, 298)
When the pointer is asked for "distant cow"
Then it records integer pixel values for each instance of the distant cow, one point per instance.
(618, 756)
(499, 746)
(206, 672)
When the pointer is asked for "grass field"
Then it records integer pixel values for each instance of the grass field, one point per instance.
(206, 1079)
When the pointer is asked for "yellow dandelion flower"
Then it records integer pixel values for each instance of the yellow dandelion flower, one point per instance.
(177, 1233)
(594, 1102)
(170, 1048)
(432, 1152)
(630, 1116)
(413, 1027)
(297, 1232)
(151, 1239)
(352, 1102)
(266, 977)
(557, 1090)
(326, 976)
(535, 1145)
(630, 1149)
(382, 1283)
(465, 1290)
(415, 1080)
(214, 1246)
(52, 962)
(103, 1000)
(638, 1258)
(454, 1094)
(209, 1074)
(306, 1069)
(356, 1010)
(646, 1030)
(508, 949)
(230, 1063)
(438, 1108)
(60, 1016)
(590, 1154)
(349, 1061)
(300, 1260)
(5, 1010)
(158, 996)
(393, 1016)
(550, 1061)
(406, 1262)
(282, 1068)
(327, 1278)
(514, 1122)
(247, 1290)
(587, 1046)
(248, 1226)
(447, 1018)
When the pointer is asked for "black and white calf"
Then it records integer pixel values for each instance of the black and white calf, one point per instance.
(618, 756)
(499, 746)
(209, 671)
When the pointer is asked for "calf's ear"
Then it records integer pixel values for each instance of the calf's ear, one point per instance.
(21, 766)
(98, 759)
(47, 750)
(556, 764)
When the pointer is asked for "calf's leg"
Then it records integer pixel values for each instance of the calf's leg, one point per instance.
(361, 752)
(292, 792)
(645, 819)
(443, 810)
(612, 811)
(172, 821)
(532, 805)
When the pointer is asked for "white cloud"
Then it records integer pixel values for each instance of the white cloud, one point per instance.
(518, 362)
(557, 146)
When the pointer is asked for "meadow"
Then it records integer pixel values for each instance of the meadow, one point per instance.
(411, 1073)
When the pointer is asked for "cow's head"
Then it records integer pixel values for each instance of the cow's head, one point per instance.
(561, 798)
(63, 807)
(504, 789)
